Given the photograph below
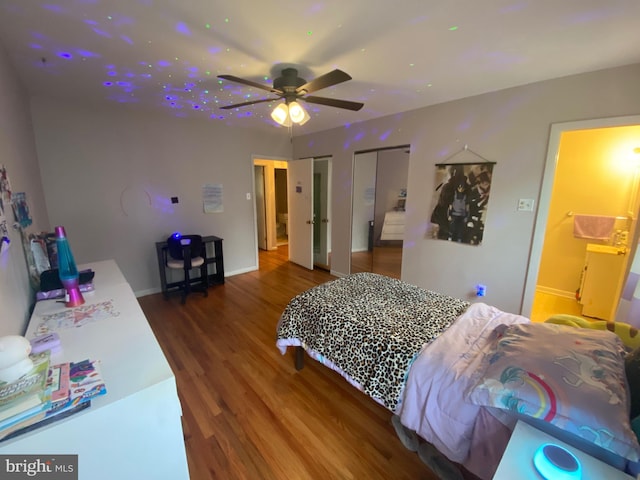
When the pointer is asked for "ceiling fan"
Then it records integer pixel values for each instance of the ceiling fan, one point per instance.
(292, 88)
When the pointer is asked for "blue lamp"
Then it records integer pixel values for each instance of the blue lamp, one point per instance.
(67, 270)
(554, 462)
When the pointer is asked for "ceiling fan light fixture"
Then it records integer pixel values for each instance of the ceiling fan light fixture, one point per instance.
(298, 114)
(280, 115)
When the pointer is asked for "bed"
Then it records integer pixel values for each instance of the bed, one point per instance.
(461, 374)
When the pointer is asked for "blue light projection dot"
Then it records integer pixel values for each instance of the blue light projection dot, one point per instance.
(196, 107)
(163, 63)
(87, 53)
(53, 8)
(108, 84)
(182, 28)
(112, 73)
(385, 135)
(35, 46)
(66, 55)
(102, 33)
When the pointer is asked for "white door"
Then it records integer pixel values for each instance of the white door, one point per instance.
(300, 199)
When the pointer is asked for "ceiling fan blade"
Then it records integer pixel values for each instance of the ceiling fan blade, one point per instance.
(243, 81)
(236, 105)
(323, 81)
(334, 102)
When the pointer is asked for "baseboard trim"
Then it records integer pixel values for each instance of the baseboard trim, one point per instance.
(555, 291)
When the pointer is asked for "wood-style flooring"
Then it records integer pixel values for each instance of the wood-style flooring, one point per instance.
(386, 260)
(247, 413)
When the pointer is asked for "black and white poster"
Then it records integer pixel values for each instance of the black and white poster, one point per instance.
(460, 199)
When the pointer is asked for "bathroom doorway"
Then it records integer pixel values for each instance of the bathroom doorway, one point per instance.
(270, 196)
(282, 212)
(592, 174)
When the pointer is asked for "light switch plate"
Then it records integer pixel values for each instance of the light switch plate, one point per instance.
(525, 205)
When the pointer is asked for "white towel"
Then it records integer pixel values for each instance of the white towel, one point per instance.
(594, 227)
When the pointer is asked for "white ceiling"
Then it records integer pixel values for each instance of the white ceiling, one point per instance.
(402, 54)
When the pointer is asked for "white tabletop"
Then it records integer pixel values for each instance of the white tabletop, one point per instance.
(517, 460)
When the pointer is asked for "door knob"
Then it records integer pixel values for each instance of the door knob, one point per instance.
(325, 220)
(309, 222)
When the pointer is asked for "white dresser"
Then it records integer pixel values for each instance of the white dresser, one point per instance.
(135, 430)
(393, 226)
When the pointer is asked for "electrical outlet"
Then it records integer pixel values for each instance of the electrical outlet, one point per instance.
(525, 205)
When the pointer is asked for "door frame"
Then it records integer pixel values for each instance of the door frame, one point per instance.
(255, 158)
(544, 200)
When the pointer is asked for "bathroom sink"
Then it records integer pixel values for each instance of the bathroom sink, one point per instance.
(611, 249)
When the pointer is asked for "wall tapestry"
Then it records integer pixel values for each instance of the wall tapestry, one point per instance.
(461, 197)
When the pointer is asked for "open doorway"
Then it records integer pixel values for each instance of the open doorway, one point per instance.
(270, 195)
(592, 176)
(276, 221)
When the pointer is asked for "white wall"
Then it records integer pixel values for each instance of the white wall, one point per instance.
(109, 174)
(18, 155)
(510, 127)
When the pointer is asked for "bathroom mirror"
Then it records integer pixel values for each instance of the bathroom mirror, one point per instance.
(378, 201)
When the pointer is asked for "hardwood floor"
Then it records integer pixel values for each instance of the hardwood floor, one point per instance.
(386, 260)
(247, 413)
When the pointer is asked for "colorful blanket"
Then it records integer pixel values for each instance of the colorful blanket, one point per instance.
(369, 327)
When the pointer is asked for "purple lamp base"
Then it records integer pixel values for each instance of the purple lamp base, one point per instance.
(73, 296)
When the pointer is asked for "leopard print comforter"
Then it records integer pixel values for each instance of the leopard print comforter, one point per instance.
(370, 326)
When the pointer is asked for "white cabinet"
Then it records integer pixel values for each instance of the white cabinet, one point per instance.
(602, 280)
(393, 227)
(135, 430)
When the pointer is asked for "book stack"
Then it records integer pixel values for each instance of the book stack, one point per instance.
(69, 388)
(75, 384)
(26, 400)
